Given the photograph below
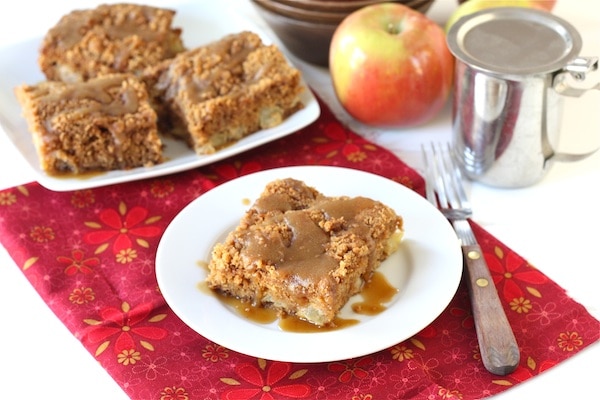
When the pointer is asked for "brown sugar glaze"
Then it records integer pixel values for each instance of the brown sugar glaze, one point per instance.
(76, 24)
(68, 175)
(97, 96)
(207, 82)
(304, 256)
(375, 293)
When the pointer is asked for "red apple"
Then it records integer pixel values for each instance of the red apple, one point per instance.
(390, 65)
(471, 6)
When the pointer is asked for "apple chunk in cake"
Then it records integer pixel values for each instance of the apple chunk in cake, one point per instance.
(304, 253)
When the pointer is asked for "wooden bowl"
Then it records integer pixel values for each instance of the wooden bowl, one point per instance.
(307, 40)
(307, 33)
(346, 6)
(302, 14)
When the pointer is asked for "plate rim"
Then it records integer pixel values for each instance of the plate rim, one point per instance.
(306, 339)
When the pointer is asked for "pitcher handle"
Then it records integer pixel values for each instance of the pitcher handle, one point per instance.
(550, 155)
(577, 70)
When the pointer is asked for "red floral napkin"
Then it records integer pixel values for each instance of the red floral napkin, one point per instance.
(90, 255)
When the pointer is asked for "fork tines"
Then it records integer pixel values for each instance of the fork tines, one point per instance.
(444, 178)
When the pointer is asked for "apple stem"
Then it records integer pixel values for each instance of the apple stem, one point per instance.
(393, 28)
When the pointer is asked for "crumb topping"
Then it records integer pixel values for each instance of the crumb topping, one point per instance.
(108, 39)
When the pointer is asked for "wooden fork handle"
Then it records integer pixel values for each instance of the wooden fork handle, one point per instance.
(497, 343)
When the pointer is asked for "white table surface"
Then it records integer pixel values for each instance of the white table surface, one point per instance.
(553, 224)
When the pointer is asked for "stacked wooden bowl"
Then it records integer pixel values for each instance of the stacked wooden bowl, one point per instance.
(305, 27)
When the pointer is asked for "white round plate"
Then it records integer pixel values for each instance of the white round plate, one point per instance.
(426, 269)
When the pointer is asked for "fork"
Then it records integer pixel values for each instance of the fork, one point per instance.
(444, 189)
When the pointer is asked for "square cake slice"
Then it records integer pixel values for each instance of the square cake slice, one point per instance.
(304, 253)
(111, 38)
(216, 94)
(106, 123)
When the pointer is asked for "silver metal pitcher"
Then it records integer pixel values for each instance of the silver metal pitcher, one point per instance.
(513, 67)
